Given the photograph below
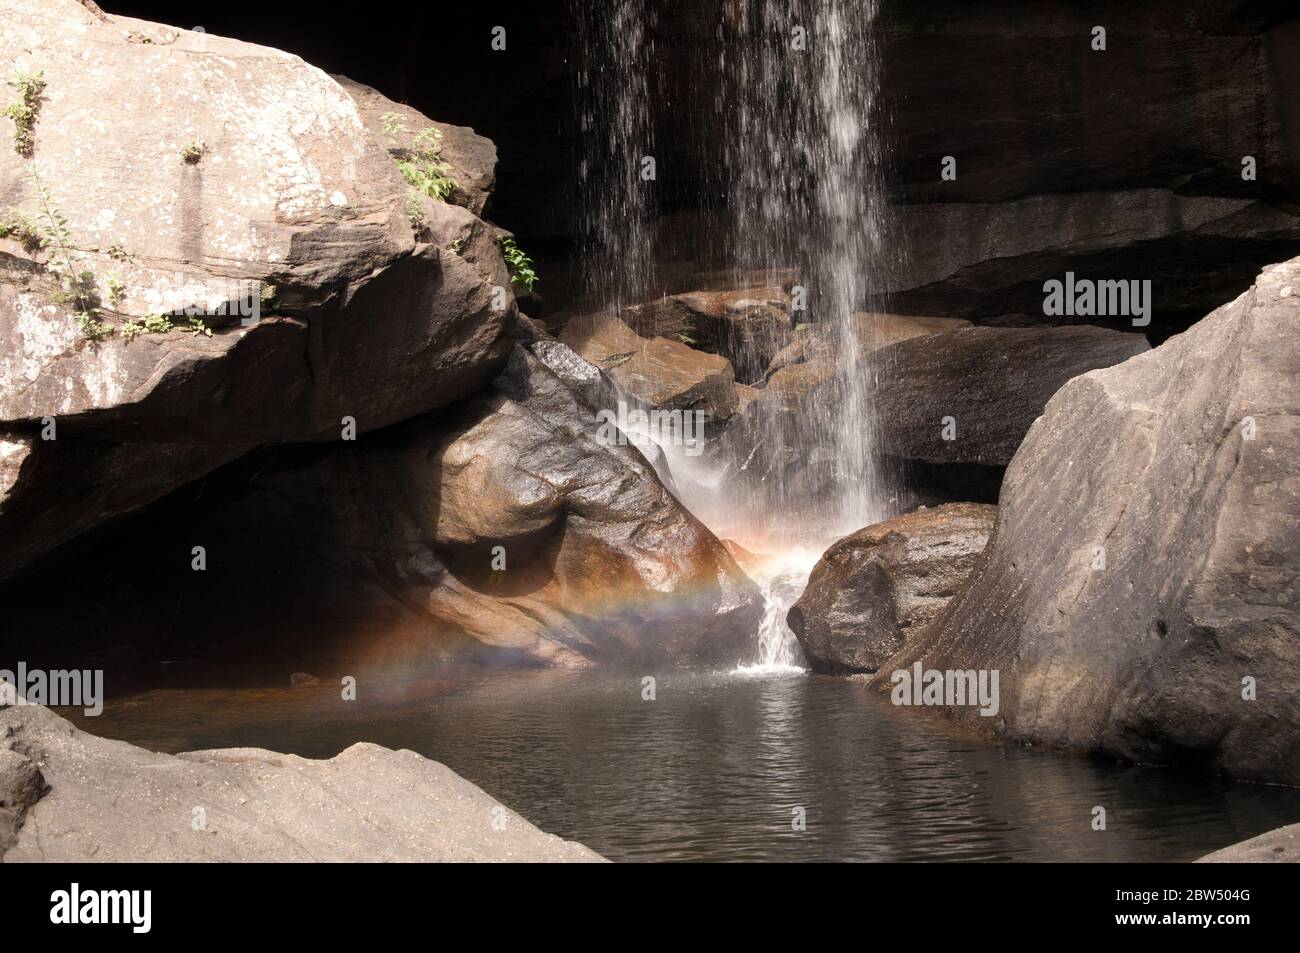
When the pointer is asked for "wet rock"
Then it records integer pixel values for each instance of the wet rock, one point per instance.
(747, 326)
(1139, 594)
(877, 588)
(657, 372)
(111, 802)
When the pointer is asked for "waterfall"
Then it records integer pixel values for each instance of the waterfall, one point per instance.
(804, 159)
(794, 88)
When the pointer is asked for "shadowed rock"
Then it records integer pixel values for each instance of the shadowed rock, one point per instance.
(992, 382)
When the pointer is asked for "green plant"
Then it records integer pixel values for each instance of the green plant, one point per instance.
(24, 112)
(268, 297)
(116, 289)
(150, 324)
(521, 266)
(196, 326)
(78, 286)
(92, 328)
(14, 224)
(420, 162)
(193, 152)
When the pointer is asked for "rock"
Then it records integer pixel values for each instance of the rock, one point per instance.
(470, 159)
(111, 802)
(991, 261)
(21, 786)
(747, 326)
(111, 479)
(288, 192)
(657, 372)
(874, 590)
(1141, 580)
(506, 534)
(1281, 846)
(870, 330)
(993, 383)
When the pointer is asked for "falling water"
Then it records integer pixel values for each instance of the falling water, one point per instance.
(782, 580)
(807, 198)
(616, 136)
(796, 104)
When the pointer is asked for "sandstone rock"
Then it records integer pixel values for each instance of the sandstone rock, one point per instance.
(993, 382)
(1281, 846)
(876, 589)
(747, 326)
(870, 330)
(1142, 575)
(470, 159)
(272, 181)
(657, 372)
(109, 801)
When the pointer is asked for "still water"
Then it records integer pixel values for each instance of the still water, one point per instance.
(717, 767)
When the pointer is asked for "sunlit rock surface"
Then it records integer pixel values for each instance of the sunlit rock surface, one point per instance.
(231, 173)
(68, 797)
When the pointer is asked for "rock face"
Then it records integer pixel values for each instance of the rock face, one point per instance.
(873, 591)
(1281, 846)
(109, 801)
(992, 382)
(271, 190)
(1139, 595)
(504, 533)
(657, 372)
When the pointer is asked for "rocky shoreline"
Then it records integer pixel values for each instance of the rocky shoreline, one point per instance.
(69, 797)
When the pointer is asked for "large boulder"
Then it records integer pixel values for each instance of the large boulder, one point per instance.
(233, 174)
(85, 799)
(1139, 596)
(877, 588)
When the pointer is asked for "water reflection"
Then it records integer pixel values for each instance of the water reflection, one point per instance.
(713, 767)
